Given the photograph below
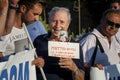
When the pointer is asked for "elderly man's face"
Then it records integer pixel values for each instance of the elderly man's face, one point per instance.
(59, 21)
(111, 24)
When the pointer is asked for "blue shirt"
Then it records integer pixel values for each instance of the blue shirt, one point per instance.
(35, 29)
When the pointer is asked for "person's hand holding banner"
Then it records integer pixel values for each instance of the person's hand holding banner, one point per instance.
(38, 62)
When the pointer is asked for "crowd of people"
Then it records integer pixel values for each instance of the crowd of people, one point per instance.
(99, 48)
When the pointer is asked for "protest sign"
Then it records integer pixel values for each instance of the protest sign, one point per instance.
(18, 67)
(63, 49)
(111, 72)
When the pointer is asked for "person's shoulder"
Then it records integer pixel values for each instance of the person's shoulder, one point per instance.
(91, 35)
(41, 37)
(40, 41)
(90, 38)
(32, 24)
(35, 25)
(38, 23)
(84, 36)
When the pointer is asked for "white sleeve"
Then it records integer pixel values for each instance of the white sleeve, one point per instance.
(88, 46)
(2, 46)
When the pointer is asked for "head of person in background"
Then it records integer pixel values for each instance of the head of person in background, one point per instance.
(31, 10)
(115, 4)
(110, 23)
(59, 19)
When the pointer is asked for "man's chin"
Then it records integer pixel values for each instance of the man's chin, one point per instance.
(55, 33)
(112, 34)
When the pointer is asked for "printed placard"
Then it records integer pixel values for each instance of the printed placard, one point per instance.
(63, 49)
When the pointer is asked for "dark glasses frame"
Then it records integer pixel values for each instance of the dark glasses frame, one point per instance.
(112, 24)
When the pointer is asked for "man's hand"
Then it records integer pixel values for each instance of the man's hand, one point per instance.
(99, 66)
(39, 62)
(67, 63)
(3, 5)
(13, 2)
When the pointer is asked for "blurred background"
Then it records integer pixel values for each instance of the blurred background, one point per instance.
(85, 14)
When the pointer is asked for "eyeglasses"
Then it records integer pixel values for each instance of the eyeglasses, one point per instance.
(113, 24)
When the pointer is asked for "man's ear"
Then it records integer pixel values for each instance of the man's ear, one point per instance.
(23, 8)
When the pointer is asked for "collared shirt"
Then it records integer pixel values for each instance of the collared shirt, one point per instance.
(88, 44)
(35, 29)
(116, 41)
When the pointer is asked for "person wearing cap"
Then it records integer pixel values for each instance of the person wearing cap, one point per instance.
(58, 68)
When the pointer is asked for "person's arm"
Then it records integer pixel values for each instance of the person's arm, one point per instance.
(7, 16)
(10, 16)
(78, 74)
(3, 15)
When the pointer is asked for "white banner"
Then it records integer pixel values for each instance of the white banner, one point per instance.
(18, 67)
(63, 49)
(109, 73)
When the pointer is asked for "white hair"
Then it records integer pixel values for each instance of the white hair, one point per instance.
(57, 9)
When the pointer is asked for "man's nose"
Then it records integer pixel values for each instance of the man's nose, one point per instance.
(57, 24)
